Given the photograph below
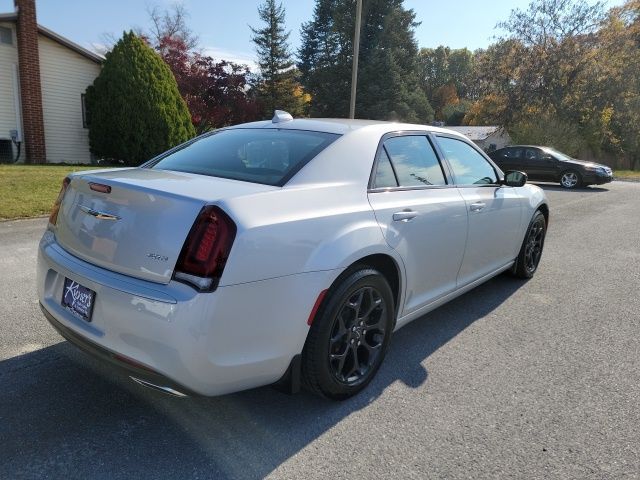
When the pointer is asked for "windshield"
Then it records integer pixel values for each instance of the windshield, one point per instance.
(557, 154)
(267, 155)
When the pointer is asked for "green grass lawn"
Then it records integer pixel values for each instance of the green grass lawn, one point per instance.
(627, 175)
(30, 190)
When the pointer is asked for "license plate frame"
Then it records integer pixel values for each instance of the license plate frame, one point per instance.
(78, 299)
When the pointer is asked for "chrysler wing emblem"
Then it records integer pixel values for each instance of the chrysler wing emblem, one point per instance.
(97, 214)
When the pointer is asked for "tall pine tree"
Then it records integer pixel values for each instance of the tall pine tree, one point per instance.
(388, 78)
(324, 62)
(277, 86)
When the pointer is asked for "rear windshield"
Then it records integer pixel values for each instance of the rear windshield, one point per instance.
(269, 156)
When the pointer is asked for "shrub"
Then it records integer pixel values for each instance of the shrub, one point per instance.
(135, 107)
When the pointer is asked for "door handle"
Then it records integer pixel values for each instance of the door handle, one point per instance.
(476, 207)
(404, 216)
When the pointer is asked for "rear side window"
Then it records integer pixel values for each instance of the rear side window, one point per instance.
(268, 156)
(414, 161)
(385, 176)
(469, 167)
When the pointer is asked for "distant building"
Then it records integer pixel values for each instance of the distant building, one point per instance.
(487, 138)
(43, 78)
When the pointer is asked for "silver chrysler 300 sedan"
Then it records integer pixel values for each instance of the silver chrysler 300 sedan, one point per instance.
(279, 251)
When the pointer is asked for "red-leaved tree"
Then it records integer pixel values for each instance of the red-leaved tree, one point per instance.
(218, 93)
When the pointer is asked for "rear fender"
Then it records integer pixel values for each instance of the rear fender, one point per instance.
(348, 245)
(351, 244)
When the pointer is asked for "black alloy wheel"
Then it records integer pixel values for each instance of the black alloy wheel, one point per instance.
(349, 335)
(357, 336)
(531, 250)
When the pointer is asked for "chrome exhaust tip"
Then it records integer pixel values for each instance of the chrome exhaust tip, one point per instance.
(159, 388)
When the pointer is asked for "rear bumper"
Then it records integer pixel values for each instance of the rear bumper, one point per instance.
(127, 367)
(238, 337)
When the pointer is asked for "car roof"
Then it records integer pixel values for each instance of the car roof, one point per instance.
(343, 126)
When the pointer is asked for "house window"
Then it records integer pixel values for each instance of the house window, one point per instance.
(86, 118)
(6, 36)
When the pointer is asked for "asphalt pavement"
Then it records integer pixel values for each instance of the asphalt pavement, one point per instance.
(515, 379)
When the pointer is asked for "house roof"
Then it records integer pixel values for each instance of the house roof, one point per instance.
(476, 133)
(13, 17)
(69, 44)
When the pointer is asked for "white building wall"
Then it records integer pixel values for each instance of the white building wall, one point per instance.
(499, 138)
(65, 76)
(9, 96)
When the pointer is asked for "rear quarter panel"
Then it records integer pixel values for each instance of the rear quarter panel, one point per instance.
(301, 229)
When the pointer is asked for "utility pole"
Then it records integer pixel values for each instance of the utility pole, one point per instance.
(354, 68)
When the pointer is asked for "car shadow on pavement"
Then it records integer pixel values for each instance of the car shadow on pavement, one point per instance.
(62, 414)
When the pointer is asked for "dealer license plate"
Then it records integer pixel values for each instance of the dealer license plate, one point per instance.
(78, 299)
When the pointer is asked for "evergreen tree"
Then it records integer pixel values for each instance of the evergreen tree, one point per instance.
(136, 109)
(388, 80)
(277, 86)
(324, 61)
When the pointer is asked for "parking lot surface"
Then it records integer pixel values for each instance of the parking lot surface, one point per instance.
(537, 379)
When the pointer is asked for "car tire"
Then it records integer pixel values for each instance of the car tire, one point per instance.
(570, 179)
(531, 250)
(349, 336)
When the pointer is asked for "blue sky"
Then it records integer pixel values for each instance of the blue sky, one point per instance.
(223, 25)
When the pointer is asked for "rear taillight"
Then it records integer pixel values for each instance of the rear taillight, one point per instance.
(205, 252)
(53, 218)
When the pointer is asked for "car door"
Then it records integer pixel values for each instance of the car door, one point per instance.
(422, 216)
(516, 160)
(532, 167)
(551, 166)
(494, 210)
(538, 167)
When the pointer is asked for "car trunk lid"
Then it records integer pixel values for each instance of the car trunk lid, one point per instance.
(135, 221)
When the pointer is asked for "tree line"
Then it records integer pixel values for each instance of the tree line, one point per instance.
(564, 73)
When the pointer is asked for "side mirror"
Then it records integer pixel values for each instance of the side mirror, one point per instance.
(513, 178)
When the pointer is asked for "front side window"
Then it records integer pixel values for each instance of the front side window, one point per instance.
(469, 167)
(514, 153)
(531, 154)
(269, 156)
(414, 161)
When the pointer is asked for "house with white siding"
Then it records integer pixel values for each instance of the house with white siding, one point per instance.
(43, 78)
(488, 138)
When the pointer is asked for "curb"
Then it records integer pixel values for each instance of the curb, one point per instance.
(20, 219)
